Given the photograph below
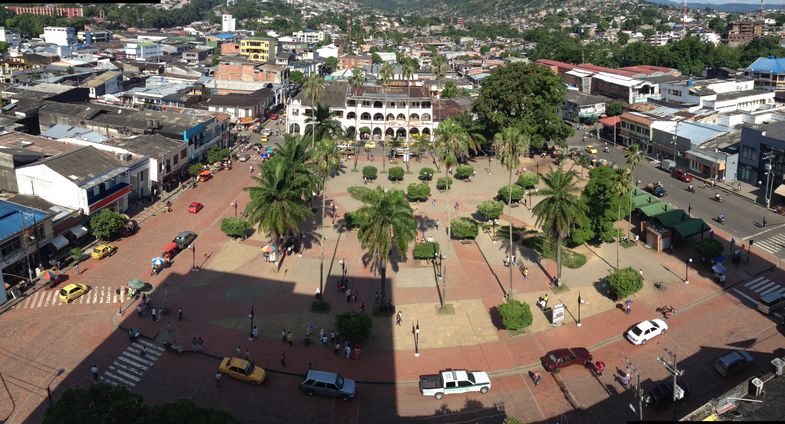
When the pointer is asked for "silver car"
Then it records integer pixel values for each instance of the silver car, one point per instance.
(328, 384)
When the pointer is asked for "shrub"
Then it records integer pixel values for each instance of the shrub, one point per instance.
(624, 282)
(515, 315)
(426, 174)
(217, 155)
(418, 192)
(369, 172)
(517, 193)
(194, 169)
(443, 183)
(528, 180)
(463, 228)
(354, 326)
(235, 227)
(708, 248)
(490, 209)
(464, 171)
(395, 173)
(425, 250)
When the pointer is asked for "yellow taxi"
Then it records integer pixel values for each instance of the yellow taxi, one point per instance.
(370, 144)
(242, 370)
(72, 291)
(263, 139)
(591, 149)
(103, 250)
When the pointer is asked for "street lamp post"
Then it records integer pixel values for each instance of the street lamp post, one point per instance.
(687, 271)
(193, 256)
(234, 204)
(580, 301)
(250, 318)
(48, 386)
(416, 332)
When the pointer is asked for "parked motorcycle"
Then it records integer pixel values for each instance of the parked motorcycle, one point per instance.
(667, 311)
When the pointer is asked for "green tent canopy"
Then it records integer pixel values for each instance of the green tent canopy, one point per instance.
(644, 199)
(656, 209)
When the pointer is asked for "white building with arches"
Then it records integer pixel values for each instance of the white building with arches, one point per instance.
(396, 111)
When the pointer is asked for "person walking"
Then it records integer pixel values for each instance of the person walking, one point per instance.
(238, 351)
(283, 360)
(764, 222)
(139, 311)
(94, 370)
(247, 355)
(525, 273)
(289, 338)
(336, 348)
(348, 350)
(355, 296)
(348, 295)
(332, 336)
(180, 313)
(154, 314)
(143, 352)
(626, 380)
(362, 307)
(255, 333)
(378, 298)
(398, 318)
(437, 224)
(283, 336)
(201, 345)
(194, 344)
(218, 377)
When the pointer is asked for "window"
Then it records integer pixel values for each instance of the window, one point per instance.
(465, 384)
(450, 385)
(749, 153)
(175, 160)
(320, 384)
(10, 247)
(183, 153)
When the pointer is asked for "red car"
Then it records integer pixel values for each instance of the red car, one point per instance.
(195, 207)
(555, 360)
(274, 117)
(681, 174)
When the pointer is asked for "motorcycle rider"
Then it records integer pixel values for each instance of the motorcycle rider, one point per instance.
(721, 217)
(717, 197)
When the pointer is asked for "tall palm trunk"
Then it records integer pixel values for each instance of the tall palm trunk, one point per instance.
(383, 285)
(629, 224)
(321, 244)
(558, 258)
(509, 215)
(356, 155)
(618, 239)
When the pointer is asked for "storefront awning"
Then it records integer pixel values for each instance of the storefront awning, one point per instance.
(59, 242)
(78, 231)
(780, 190)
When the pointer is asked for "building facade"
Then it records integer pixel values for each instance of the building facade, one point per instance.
(228, 23)
(768, 73)
(67, 12)
(379, 112)
(308, 36)
(60, 36)
(257, 49)
(762, 146)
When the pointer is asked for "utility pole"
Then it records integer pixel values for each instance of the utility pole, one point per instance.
(769, 169)
(673, 368)
(638, 389)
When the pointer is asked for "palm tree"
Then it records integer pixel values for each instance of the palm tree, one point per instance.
(409, 66)
(473, 129)
(510, 145)
(313, 89)
(634, 158)
(419, 146)
(276, 202)
(450, 144)
(559, 209)
(439, 66)
(620, 187)
(385, 76)
(386, 221)
(297, 156)
(358, 77)
(323, 122)
(327, 161)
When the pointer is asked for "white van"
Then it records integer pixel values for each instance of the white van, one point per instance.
(771, 302)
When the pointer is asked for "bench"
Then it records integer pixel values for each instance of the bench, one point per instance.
(467, 241)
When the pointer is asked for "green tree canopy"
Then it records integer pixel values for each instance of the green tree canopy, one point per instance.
(526, 96)
(107, 224)
(602, 204)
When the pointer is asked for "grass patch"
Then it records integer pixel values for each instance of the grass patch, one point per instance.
(560, 289)
(320, 307)
(570, 258)
(627, 244)
(519, 332)
(447, 309)
(503, 231)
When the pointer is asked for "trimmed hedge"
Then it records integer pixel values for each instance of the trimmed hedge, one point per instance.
(463, 229)
(443, 182)
(490, 209)
(515, 315)
(418, 192)
(624, 282)
(235, 227)
(464, 171)
(426, 174)
(504, 194)
(369, 172)
(528, 180)
(425, 250)
(395, 173)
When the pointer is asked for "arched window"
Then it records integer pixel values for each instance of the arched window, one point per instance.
(365, 116)
(378, 117)
(351, 115)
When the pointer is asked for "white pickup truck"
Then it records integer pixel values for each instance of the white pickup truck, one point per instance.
(454, 381)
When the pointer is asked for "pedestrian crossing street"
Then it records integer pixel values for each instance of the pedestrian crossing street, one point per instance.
(96, 295)
(130, 366)
(752, 290)
(772, 244)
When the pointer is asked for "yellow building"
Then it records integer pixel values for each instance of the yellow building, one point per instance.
(257, 49)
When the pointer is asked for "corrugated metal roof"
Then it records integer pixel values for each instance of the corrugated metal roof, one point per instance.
(15, 217)
(66, 131)
(765, 64)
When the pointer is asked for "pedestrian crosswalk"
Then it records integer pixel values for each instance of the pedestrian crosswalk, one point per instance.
(772, 244)
(130, 366)
(752, 290)
(96, 295)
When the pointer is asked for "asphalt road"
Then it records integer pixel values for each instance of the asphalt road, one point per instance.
(742, 217)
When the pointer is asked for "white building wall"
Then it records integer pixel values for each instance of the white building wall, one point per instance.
(41, 181)
(60, 36)
(228, 23)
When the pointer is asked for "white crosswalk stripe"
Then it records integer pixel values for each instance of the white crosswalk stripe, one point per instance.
(753, 289)
(771, 244)
(45, 298)
(130, 366)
